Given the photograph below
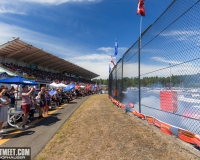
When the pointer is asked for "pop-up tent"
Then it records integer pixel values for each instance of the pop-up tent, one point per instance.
(62, 85)
(94, 87)
(88, 87)
(53, 84)
(77, 87)
(70, 87)
(18, 80)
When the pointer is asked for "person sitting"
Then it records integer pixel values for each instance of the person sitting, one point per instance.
(69, 96)
(73, 94)
(54, 99)
(64, 97)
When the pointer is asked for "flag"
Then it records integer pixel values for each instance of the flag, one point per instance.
(109, 69)
(112, 61)
(140, 9)
(116, 48)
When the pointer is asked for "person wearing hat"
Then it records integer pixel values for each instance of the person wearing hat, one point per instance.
(26, 103)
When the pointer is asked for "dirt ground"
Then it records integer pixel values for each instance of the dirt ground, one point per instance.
(99, 130)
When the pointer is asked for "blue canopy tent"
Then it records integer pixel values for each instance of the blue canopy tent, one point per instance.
(70, 87)
(94, 87)
(18, 80)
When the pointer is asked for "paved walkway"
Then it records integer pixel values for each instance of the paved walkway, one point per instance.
(41, 130)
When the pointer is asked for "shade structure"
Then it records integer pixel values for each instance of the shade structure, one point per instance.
(18, 80)
(53, 84)
(62, 85)
(94, 87)
(77, 87)
(88, 87)
(70, 87)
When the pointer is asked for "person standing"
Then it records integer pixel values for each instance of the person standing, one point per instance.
(12, 97)
(26, 103)
(33, 105)
(48, 98)
(4, 102)
(41, 96)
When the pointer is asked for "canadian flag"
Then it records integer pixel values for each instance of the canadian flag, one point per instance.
(112, 61)
(140, 9)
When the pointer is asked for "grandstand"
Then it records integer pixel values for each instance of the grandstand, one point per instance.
(16, 55)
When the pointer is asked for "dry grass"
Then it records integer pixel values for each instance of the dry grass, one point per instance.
(99, 130)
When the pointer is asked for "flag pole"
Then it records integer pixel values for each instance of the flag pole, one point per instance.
(139, 91)
(141, 11)
(140, 29)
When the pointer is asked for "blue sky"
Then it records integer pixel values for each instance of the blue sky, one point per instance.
(80, 31)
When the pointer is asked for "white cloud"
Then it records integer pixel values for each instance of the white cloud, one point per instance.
(97, 63)
(106, 49)
(182, 35)
(57, 2)
(101, 68)
(23, 7)
(110, 50)
(92, 57)
(179, 32)
(150, 70)
(11, 11)
(161, 59)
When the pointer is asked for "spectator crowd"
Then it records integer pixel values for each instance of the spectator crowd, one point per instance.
(39, 74)
(33, 101)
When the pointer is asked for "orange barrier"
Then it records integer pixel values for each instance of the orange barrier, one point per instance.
(140, 115)
(117, 103)
(134, 112)
(156, 122)
(197, 140)
(186, 136)
(165, 128)
(131, 105)
(123, 105)
(149, 119)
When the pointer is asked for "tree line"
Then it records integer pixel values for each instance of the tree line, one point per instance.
(183, 81)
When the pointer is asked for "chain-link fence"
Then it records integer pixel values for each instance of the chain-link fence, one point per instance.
(163, 81)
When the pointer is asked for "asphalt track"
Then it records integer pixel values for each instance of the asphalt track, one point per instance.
(41, 130)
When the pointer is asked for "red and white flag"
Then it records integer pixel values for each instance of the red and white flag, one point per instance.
(112, 61)
(140, 9)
